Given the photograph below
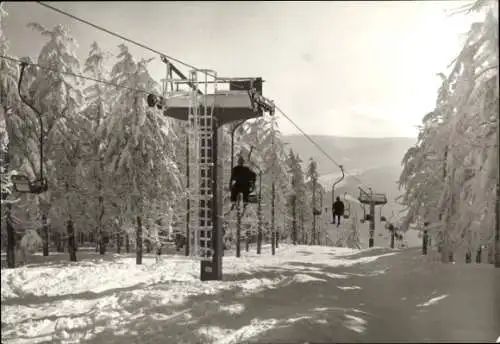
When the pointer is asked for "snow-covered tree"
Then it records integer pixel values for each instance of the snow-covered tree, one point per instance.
(94, 136)
(315, 197)
(58, 97)
(9, 103)
(450, 176)
(139, 146)
(263, 138)
(15, 140)
(300, 192)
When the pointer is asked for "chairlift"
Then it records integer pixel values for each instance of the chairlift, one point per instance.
(372, 198)
(21, 182)
(253, 197)
(24, 185)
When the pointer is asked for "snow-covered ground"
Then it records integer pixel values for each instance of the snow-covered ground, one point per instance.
(73, 302)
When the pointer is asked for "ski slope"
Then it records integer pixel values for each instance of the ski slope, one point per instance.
(73, 302)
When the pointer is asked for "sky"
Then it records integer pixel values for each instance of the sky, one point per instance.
(361, 69)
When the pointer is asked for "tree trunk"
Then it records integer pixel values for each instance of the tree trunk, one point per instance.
(98, 241)
(11, 240)
(479, 255)
(77, 242)
(100, 231)
(102, 242)
(446, 250)
(259, 219)
(59, 243)
(313, 234)
(273, 218)
(45, 234)
(127, 243)
(302, 231)
(468, 257)
(294, 220)
(247, 241)
(138, 240)
(425, 238)
(71, 241)
(118, 242)
(491, 253)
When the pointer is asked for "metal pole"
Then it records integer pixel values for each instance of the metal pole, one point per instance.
(313, 239)
(294, 213)
(188, 201)
(39, 115)
(333, 202)
(333, 190)
(497, 208)
(321, 217)
(233, 130)
(372, 220)
(217, 237)
(273, 229)
(259, 214)
(232, 154)
(238, 229)
(273, 196)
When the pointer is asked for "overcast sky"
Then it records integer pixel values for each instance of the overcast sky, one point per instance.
(363, 69)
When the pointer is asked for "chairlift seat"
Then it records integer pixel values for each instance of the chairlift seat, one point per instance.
(253, 198)
(24, 185)
(376, 198)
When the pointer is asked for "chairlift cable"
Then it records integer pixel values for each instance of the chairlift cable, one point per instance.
(76, 75)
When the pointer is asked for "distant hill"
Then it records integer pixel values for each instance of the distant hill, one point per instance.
(375, 161)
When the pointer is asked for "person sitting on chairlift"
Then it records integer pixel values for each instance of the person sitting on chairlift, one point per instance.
(242, 181)
(338, 210)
